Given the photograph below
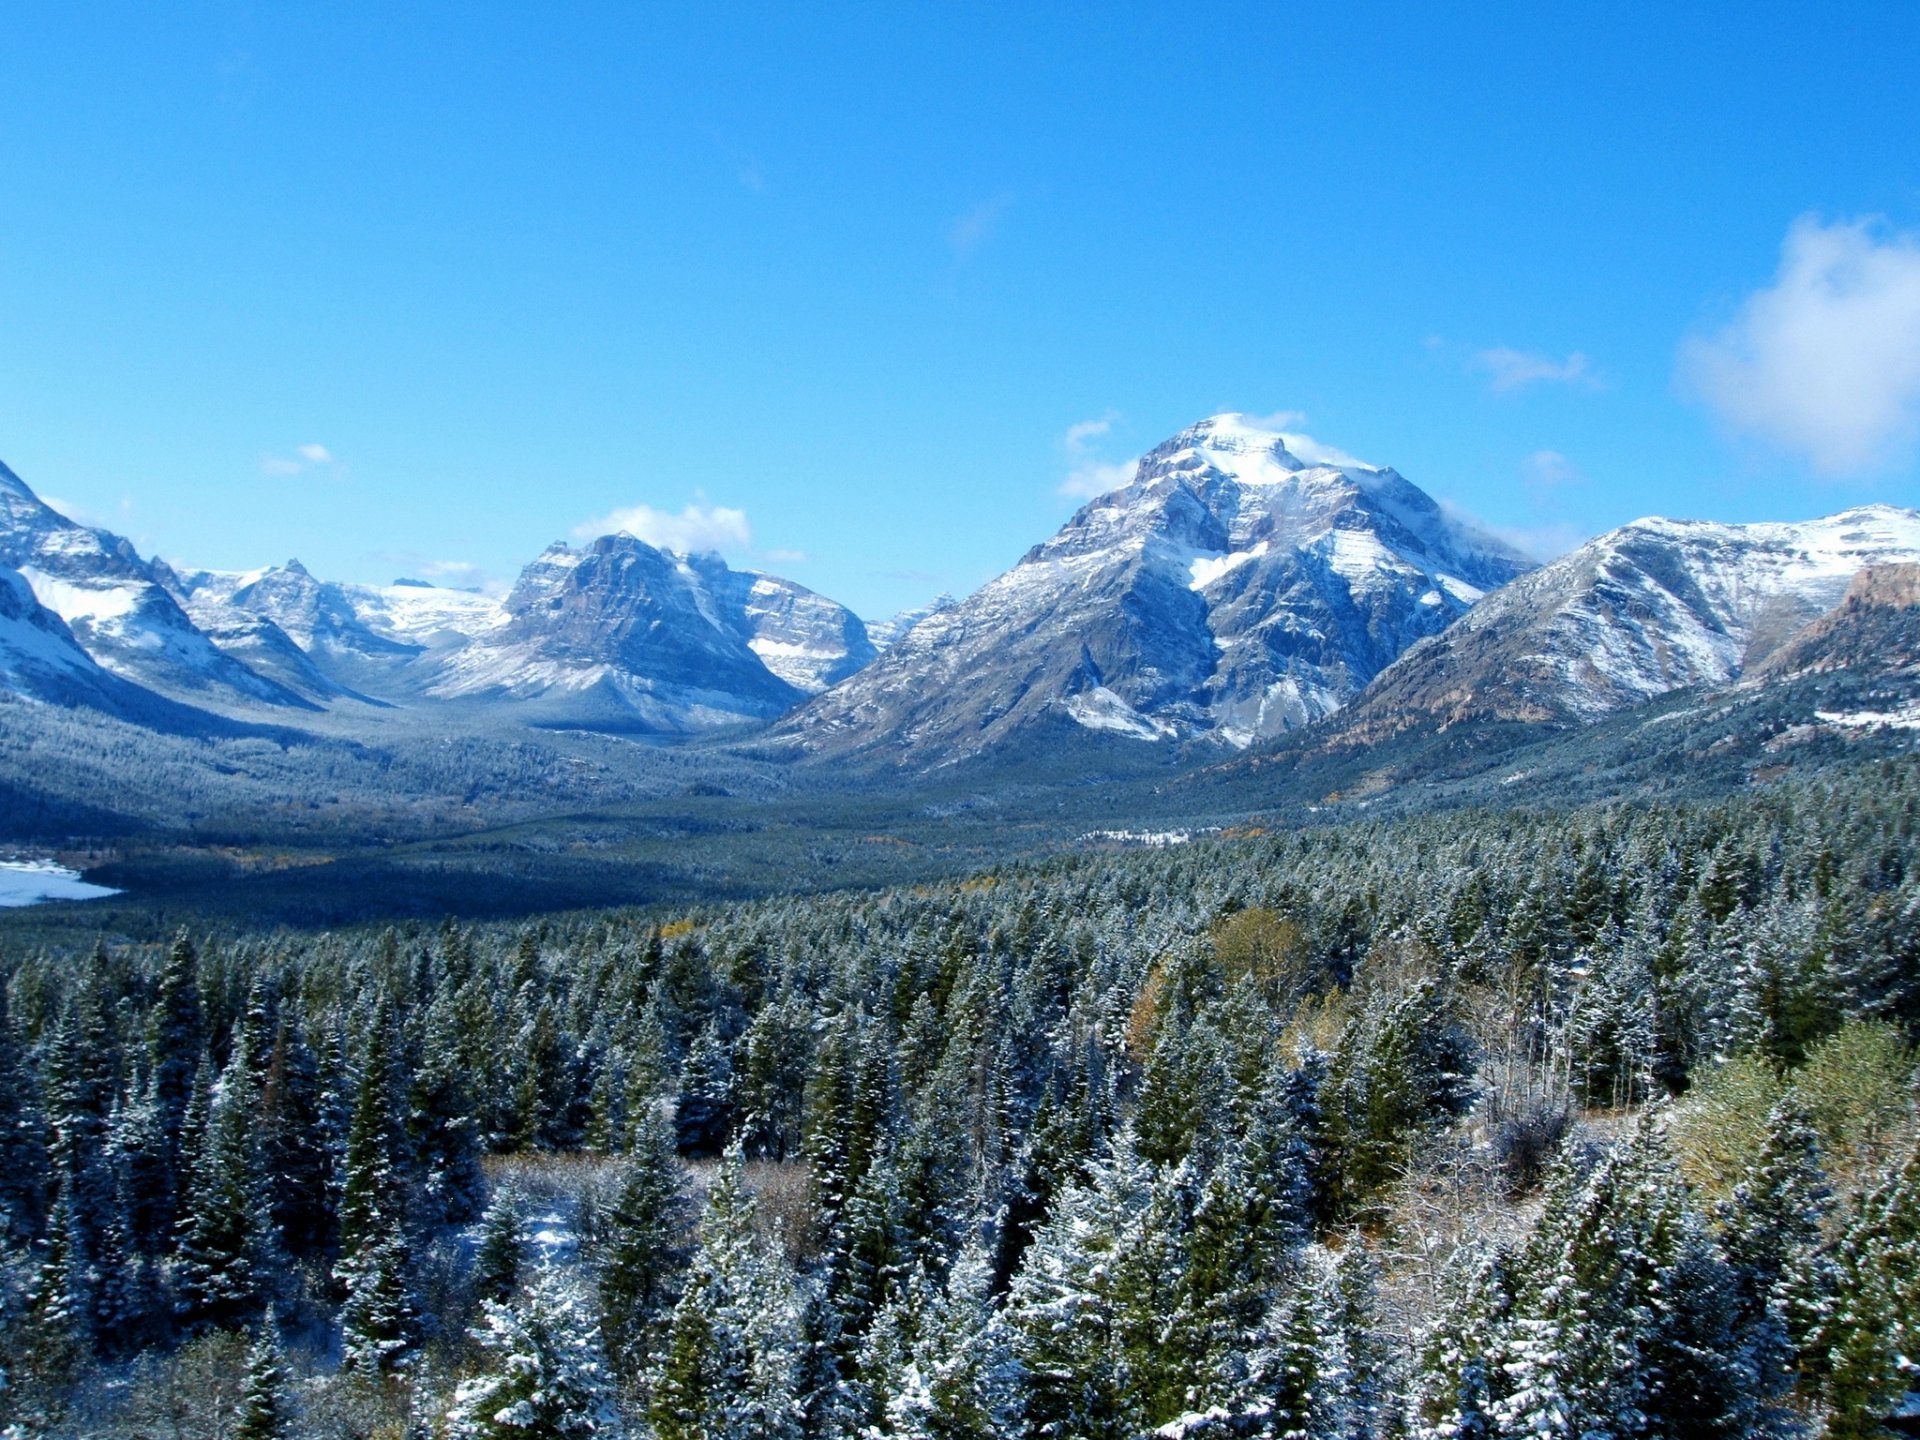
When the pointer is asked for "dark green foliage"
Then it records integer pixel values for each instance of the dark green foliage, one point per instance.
(263, 1411)
(645, 1251)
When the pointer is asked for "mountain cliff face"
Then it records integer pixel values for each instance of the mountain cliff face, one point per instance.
(1654, 606)
(670, 642)
(117, 607)
(1874, 630)
(1234, 589)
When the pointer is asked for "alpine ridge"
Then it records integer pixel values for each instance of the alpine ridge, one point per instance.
(1242, 584)
(1652, 607)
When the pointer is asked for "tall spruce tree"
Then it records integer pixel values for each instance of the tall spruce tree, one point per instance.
(731, 1365)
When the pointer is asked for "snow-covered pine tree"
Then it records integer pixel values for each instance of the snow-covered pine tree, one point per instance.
(1071, 1311)
(544, 1376)
(498, 1252)
(227, 1250)
(1769, 1229)
(730, 1369)
(263, 1412)
(646, 1249)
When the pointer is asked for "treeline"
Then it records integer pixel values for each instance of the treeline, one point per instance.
(1417, 1128)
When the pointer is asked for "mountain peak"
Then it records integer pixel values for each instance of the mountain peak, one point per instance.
(1260, 439)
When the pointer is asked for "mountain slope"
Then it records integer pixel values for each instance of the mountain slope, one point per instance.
(117, 608)
(1233, 589)
(1874, 630)
(620, 632)
(1654, 606)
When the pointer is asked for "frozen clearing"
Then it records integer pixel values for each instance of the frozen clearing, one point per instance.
(30, 882)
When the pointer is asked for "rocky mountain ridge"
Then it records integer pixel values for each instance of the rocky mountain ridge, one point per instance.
(1231, 590)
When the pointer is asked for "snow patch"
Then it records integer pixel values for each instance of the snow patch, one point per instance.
(1101, 709)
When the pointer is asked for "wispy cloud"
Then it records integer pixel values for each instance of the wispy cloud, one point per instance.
(1824, 363)
(967, 234)
(1087, 474)
(784, 557)
(449, 570)
(1547, 470)
(1546, 541)
(697, 529)
(1509, 369)
(305, 458)
(1302, 446)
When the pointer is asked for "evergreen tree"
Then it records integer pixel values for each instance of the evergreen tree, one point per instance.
(731, 1367)
(23, 1152)
(544, 1377)
(226, 1242)
(263, 1407)
(646, 1250)
(379, 1322)
(704, 1111)
(497, 1256)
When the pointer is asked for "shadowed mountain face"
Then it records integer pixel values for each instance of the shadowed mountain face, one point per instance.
(1654, 606)
(1874, 630)
(1233, 590)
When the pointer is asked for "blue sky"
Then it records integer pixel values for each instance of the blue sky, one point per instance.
(864, 286)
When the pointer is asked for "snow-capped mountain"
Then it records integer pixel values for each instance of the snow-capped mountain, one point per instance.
(884, 632)
(1235, 588)
(1654, 606)
(670, 642)
(39, 657)
(1874, 630)
(116, 606)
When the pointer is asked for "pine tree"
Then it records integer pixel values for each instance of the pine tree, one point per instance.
(379, 1322)
(544, 1377)
(1302, 1382)
(703, 1114)
(1770, 1227)
(1073, 1308)
(731, 1367)
(646, 1250)
(23, 1151)
(497, 1256)
(179, 1042)
(226, 1243)
(263, 1407)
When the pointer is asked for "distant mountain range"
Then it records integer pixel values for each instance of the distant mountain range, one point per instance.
(1241, 587)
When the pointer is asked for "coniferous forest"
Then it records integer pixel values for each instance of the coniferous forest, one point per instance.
(1592, 1123)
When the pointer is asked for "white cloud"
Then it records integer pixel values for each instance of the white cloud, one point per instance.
(1548, 470)
(1081, 432)
(1516, 369)
(1095, 477)
(449, 569)
(1542, 542)
(1278, 422)
(1301, 445)
(784, 557)
(305, 457)
(695, 530)
(79, 514)
(1087, 474)
(1825, 361)
(967, 234)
